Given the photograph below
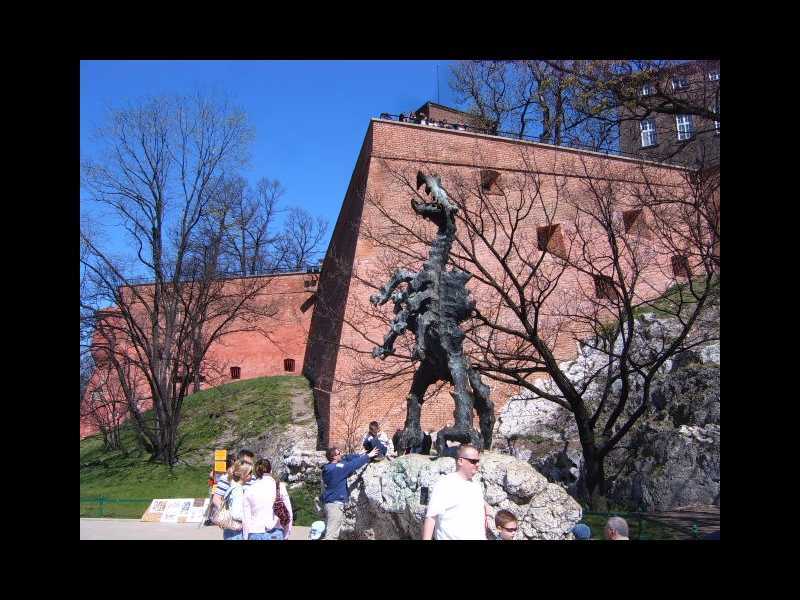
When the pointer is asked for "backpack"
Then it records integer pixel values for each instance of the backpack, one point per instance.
(279, 508)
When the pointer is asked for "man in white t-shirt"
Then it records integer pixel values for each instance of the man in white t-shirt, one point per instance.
(457, 510)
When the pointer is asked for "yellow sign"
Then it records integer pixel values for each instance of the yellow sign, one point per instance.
(219, 466)
(220, 455)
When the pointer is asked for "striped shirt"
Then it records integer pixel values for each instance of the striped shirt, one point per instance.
(223, 485)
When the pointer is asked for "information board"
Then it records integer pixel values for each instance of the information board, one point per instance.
(176, 510)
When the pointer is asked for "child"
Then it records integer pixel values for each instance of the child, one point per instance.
(376, 438)
(506, 524)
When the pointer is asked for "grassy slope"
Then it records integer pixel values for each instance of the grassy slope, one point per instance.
(230, 413)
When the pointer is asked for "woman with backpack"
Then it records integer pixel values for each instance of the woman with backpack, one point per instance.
(233, 502)
(263, 507)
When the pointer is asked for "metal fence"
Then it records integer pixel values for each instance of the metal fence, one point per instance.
(98, 506)
(642, 526)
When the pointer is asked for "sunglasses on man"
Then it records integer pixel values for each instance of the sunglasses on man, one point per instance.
(474, 461)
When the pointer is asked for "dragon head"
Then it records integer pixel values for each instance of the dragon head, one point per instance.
(441, 209)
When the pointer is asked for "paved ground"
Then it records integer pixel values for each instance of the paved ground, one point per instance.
(134, 529)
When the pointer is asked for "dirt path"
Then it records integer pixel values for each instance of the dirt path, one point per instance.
(302, 409)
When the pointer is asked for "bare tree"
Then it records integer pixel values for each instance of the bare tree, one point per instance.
(584, 103)
(249, 241)
(560, 260)
(611, 93)
(300, 243)
(160, 177)
(525, 96)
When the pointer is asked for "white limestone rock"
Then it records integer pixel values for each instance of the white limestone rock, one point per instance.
(386, 497)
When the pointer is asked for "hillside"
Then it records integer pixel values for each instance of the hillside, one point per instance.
(229, 416)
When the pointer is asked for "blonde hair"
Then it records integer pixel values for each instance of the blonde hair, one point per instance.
(239, 471)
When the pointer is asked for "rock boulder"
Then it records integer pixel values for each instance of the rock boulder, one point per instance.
(386, 499)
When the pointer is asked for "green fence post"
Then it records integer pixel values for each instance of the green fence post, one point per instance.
(695, 530)
(101, 506)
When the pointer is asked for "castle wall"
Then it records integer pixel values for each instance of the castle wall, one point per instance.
(360, 390)
(287, 299)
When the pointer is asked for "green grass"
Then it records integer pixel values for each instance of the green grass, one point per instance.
(236, 411)
(676, 295)
(303, 504)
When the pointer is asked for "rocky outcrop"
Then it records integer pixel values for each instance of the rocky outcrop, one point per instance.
(672, 459)
(669, 459)
(386, 500)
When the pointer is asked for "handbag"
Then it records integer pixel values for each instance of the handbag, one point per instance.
(279, 508)
(223, 517)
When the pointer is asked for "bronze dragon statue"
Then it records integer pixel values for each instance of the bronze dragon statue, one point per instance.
(432, 304)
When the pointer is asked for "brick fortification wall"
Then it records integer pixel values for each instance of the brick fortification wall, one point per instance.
(257, 353)
(345, 403)
(329, 328)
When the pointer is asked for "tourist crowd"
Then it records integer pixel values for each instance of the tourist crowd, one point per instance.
(251, 504)
(422, 119)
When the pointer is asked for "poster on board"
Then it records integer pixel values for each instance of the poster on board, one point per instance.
(176, 510)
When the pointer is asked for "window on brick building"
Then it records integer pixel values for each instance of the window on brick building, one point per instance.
(648, 89)
(490, 182)
(550, 239)
(288, 364)
(648, 127)
(236, 372)
(680, 266)
(680, 83)
(634, 222)
(604, 287)
(685, 127)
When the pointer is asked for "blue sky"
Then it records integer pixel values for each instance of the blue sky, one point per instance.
(310, 117)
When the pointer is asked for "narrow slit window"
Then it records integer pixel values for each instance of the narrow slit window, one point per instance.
(635, 222)
(236, 372)
(604, 287)
(550, 239)
(680, 266)
(490, 181)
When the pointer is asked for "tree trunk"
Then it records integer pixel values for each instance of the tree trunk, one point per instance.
(595, 483)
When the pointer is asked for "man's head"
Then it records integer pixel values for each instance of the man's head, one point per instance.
(616, 529)
(333, 455)
(467, 461)
(506, 524)
(246, 456)
(374, 428)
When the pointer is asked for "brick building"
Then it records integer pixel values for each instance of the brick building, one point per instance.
(688, 139)
(277, 350)
(343, 330)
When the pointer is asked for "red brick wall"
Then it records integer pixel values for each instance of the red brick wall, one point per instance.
(404, 148)
(257, 353)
